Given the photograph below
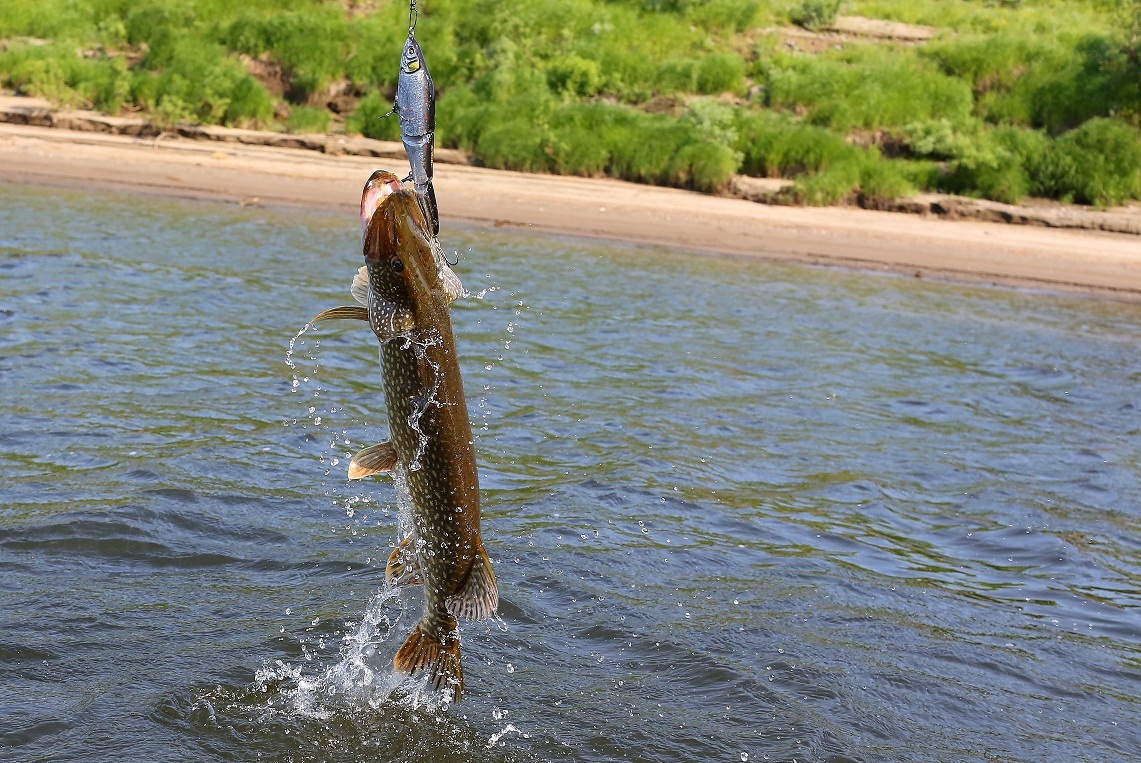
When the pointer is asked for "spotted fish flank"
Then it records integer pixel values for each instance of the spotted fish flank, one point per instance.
(406, 288)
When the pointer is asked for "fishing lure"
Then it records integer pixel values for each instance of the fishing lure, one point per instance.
(415, 107)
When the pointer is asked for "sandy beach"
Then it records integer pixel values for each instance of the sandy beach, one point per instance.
(1057, 259)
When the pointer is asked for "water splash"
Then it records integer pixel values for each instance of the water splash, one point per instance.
(421, 350)
(289, 353)
(508, 729)
(363, 677)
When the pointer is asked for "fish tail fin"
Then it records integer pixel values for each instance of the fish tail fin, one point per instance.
(423, 651)
(479, 597)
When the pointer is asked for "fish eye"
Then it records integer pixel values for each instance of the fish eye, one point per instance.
(396, 264)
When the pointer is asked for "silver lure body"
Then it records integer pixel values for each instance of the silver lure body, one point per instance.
(416, 110)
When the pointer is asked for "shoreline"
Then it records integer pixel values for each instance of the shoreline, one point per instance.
(1056, 259)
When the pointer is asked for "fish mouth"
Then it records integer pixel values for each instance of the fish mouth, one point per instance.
(394, 220)
(380, 186)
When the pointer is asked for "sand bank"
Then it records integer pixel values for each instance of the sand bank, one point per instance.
(1092, 261)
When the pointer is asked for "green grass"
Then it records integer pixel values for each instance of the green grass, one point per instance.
(1013, 98)
(307, 119)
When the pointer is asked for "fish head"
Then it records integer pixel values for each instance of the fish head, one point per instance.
(398, 249)
(412, 58)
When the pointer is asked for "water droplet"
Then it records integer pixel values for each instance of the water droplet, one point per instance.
(510, 668)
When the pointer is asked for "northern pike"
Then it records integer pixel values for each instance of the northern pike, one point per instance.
(416, 109)
(406, 288)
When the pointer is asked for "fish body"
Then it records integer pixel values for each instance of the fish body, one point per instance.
(407, 288)
(416, 110)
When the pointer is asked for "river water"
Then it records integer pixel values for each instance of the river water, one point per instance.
(739, 511)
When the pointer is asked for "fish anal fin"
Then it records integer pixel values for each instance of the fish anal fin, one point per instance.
(373, 460)
(403, 568)
(479, 597)
(344, 312)
(440, 658)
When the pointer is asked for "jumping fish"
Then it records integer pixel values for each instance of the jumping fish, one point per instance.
(405, 288)
(416, 110)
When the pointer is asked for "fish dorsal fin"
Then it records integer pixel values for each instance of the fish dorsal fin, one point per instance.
(387, 320)
(359, 288)
(479, 598)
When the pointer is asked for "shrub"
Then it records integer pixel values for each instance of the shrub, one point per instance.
(996, 61)
(827, 187)
(938, 139)
(368, 119)
(1098, 163)
(720, 73)
(676, 75)
(306, 119)
(866, 176)
(574, 76)
(866, 89)
(705, 166)
(690, 152)
(773, 145)
(514, 144)
(883, 180)
(159, 27)
(815, 15)
(1087, 79)
(724, 15)
(55, 72)
(312, 44)
(201, 84)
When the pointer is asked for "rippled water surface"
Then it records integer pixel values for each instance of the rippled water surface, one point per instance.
(738, 510)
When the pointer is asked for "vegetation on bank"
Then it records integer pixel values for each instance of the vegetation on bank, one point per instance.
(1011, 98)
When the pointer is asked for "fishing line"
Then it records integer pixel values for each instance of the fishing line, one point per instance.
(413, 17)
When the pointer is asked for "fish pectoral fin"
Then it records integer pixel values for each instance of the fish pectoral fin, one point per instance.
(453, 289)
(345, 312)
(479, 598)
(403, 568)
(373, 460)
(440, 657)
(359, 289)
(450, 282)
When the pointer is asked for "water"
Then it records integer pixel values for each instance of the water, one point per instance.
(738, 510)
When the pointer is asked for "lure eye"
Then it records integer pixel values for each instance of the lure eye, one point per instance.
(396, 264)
